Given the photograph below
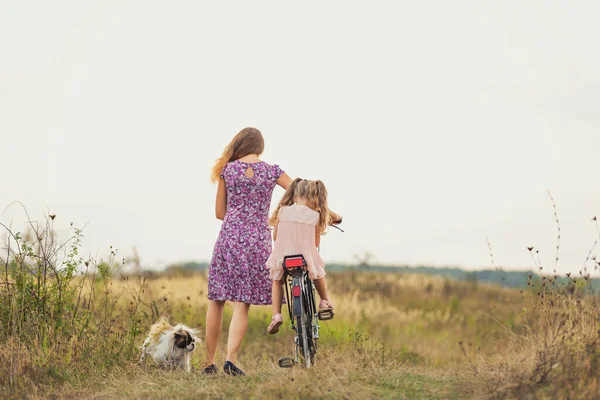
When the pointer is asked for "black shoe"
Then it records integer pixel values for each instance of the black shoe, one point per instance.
(211, 369)
(231, 369)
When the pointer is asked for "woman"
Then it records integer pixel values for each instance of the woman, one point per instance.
(237, 272)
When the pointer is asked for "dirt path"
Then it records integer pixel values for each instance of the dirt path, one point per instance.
(336, 381)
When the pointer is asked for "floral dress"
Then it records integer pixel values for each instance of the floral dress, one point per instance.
(238, 268)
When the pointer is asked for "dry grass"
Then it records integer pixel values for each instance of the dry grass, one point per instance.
(556, 356)
(68, 335)
(335, 378)
(393, 336)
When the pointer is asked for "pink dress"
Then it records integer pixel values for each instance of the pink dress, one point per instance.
(296, 235)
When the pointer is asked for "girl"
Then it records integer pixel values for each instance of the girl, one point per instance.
(237, 271)
(299, 221)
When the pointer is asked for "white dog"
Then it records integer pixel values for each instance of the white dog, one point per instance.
(170, 346)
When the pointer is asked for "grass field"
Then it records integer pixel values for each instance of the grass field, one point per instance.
(393, 336)
(70, 335)
(385, 342)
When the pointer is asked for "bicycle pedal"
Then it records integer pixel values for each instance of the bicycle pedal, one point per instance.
(285, 362)
(325, 315)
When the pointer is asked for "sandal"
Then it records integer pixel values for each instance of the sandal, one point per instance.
(325, 304)
(230, 369)
(276, 321)
(211, 369)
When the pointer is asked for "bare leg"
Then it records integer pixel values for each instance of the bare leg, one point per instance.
(321, 286)
(237, 330)
(214, 324)
(277, 296)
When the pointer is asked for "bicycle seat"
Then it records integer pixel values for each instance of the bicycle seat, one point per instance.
(294, 261)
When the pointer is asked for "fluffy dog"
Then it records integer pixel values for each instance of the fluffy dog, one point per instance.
(170, 346)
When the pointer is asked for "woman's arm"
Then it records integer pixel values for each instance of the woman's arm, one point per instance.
(284, 181)
(221, 201)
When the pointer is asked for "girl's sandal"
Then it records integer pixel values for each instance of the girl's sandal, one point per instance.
(326, 305)
(325, 310)
(276, 321)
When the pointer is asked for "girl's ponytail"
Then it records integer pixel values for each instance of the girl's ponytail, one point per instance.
(286, 200)
(318, 197)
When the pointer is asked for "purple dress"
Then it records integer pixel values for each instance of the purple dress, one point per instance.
(238, 268)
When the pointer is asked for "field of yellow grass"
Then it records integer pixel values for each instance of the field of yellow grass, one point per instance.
(393, 336)
(404, 315)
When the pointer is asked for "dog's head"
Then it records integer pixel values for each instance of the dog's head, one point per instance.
(185, 339)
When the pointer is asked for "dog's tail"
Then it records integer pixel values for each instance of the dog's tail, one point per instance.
(160, 326)
(162, 321)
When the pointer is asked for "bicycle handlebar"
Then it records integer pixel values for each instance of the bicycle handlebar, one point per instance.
(337, 227)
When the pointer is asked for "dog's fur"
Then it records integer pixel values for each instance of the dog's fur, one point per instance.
(170, 346)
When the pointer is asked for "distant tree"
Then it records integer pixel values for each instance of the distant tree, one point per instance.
(364, 260)
(136, 262)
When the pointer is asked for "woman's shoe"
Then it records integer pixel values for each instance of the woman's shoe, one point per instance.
(230, 369)
(211, 369)
(326, 305)
(276, 322)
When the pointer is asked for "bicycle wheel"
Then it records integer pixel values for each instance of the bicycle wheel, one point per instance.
(312, 344)
(304, 329)
(305, 347)
(310, 321)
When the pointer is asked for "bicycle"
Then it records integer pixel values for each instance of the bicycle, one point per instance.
(302, 310)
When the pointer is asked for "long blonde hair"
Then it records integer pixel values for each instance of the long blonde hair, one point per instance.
(247, 141)
(315, 194)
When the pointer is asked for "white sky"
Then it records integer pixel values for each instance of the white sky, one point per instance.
(433, 124)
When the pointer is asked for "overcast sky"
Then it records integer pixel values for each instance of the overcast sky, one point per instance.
(433, 124)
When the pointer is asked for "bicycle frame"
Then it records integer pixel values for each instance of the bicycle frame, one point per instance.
(302, 309)
(300, 299)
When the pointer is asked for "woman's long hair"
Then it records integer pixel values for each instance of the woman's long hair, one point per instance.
(247, 141)
(315, 194)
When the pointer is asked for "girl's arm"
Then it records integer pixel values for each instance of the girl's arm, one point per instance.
(284, 181)
(275, 232)
(221, 201)
(317, 236)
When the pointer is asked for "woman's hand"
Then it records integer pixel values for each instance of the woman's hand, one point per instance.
(336, 219)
